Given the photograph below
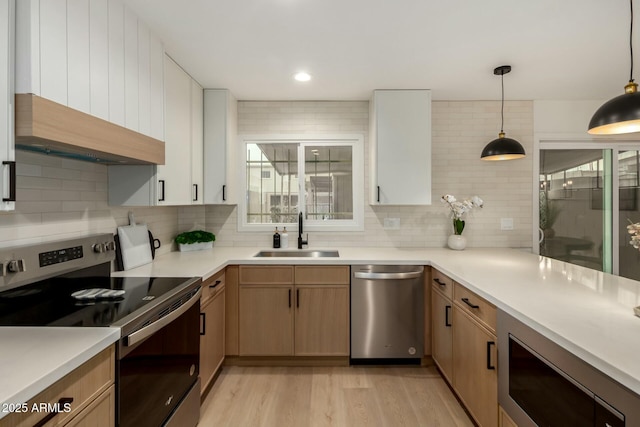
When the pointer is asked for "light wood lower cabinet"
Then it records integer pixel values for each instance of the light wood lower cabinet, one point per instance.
(442, 333)
(475, 374)
(505, 420)
(293, 311)
(266, 320)
(212, 329)
(465, 346)
(322, 320)
(89, 389)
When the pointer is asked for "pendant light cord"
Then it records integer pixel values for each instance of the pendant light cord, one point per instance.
(631, 40)
(502, 104)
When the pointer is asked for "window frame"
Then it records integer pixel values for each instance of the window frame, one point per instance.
(355, 141)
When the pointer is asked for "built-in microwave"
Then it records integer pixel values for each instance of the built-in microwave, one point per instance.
(542, 384)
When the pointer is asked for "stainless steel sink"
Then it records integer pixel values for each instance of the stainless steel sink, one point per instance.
(297, 254)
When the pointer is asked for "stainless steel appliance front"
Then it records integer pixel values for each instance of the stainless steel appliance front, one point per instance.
(541, 383)
(387, 312)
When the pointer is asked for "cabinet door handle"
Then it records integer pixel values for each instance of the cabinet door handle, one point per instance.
(447, 310)
(195, 188)
(224, 193)
(61, 403)
(203, 330)
(378, 194)
(161, 181)
(12, 181)
(489, 365)
(439, 282)
(217, 282)
(466, 301)
(297, 298)
(289, 298)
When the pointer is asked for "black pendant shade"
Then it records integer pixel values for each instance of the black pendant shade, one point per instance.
(622, 113)
(618, 115)
(502, 148)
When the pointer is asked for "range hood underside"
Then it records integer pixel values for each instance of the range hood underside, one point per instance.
(47, 127)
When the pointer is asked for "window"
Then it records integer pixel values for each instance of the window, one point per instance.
(322, 177)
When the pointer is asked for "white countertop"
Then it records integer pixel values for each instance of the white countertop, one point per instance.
(31, 358)
(585, 311)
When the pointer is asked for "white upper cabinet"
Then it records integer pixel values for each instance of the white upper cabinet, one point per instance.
(197, 143)
(94, 56)
(179, 181)
(7, 159)
(220, 146)
(400, 147)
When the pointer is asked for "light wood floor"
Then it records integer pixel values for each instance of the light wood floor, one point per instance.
(331, 396)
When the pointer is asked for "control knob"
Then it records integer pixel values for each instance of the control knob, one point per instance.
(98, 248)
(16, 266)
(110, 246)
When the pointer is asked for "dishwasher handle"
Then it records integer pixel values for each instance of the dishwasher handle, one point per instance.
(388, 276)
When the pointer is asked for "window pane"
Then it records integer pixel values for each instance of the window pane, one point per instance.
(272, 183)
(575, 201)
(328, 182)
(629, 211)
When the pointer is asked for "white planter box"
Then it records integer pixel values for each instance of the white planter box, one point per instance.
(195, 246)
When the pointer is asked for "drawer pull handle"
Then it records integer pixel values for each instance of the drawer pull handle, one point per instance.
(289, 298)
(297, 298)
(447, 310)
(217, 282)
(466, 301)
(12, 181)
(61, 404)
(203, 316)
(439, 282)
(489, 365)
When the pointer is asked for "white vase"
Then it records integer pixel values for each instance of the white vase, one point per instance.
(457, 242)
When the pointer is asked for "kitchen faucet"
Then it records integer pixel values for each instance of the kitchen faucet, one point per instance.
(300, 241)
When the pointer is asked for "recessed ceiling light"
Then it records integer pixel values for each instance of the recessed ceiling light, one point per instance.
(302, 76)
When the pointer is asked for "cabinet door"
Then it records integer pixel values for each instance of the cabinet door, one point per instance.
(322, 320)
(100, 413)
(144, 83)
(220, 128)
(442, 333)
(401, 154)
(197, 147)
(116, 63)
(7, 182)
(266, 320)
(174, 177)
(131, 119)
(211, 338)
(475, 373)
(156, 86)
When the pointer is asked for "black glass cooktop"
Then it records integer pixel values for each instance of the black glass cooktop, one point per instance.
(49, 302)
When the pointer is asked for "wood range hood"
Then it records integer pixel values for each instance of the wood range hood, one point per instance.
(47, 127)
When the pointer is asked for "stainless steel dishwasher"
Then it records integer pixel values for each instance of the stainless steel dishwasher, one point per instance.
(387, 313)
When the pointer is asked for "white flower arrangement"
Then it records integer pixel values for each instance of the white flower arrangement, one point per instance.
(459, 208)
(634, 230)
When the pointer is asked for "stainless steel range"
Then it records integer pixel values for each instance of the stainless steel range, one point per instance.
(159, 318)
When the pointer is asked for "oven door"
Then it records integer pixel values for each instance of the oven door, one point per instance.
(158, 366)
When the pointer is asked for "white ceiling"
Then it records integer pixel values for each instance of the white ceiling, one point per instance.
(559, 49)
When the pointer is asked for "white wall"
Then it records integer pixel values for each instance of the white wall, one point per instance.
(60, 199)
(460, 132)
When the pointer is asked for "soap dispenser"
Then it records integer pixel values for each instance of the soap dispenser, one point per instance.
(284, 238)
(276, 239)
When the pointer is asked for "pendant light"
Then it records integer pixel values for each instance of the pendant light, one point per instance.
(622, 113)
(502, 148)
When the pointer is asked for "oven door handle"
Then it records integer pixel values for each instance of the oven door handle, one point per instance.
(151, 329)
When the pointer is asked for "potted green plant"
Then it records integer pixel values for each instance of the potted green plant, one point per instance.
(195, 240)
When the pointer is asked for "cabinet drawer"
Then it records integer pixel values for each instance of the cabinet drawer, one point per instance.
(212, 286)
(441, 282)
(322, 275)
(83, 385)
(266, 275)
(476, 306)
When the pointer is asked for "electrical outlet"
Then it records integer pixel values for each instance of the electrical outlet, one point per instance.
(506, 223)
(392, 223)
